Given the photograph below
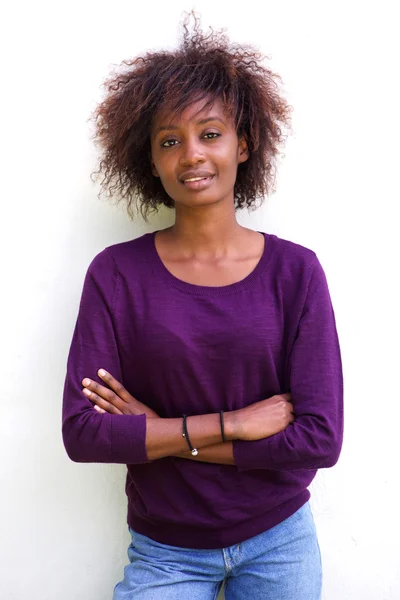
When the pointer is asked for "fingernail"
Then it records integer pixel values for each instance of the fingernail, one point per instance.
(102, 372)
(87, 392)
(86, 381)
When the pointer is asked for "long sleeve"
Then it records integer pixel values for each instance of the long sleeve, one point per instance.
(314, 439)
(87, 435)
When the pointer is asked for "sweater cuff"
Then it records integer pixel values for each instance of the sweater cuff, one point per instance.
(128, 439)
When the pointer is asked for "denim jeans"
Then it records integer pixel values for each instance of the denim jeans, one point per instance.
(282, 563)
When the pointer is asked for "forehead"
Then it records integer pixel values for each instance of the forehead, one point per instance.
(196, 111)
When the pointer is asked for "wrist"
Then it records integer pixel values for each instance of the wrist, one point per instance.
(232, 425)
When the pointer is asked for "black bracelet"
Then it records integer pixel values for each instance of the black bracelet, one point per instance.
(185, 434)
(221, 420)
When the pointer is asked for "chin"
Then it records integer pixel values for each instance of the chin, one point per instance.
(197, 201)
(203, 198)
(198, 197)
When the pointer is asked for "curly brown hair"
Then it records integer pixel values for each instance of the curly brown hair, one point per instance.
(204, 66)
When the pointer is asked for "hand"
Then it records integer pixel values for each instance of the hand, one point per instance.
(117, 400)
(261, 419)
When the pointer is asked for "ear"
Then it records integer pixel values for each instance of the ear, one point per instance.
(243, 150)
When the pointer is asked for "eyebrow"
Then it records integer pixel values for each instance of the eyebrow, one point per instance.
(174, 127)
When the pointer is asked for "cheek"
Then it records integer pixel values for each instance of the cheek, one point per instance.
(164, 167)
(227, 160)
(167, 177)
(228, 168)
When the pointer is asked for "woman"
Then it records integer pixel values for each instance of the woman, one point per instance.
(207, 352)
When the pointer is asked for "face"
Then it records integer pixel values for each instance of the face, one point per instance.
(197, 156)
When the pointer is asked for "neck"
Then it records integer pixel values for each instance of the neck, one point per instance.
(206, 229)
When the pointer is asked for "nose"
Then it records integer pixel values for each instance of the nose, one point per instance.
(192, 153)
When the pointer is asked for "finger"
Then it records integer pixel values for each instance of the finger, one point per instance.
(115, 385)
(103, 392)
(98, 409)
(101, 402)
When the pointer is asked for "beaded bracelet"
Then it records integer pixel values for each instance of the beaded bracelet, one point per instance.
(185, 434)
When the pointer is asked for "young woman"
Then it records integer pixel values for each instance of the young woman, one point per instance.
(205, 356)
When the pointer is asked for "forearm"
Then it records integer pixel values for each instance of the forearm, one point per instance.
(221, 454)
(90, 437)
(309, 443)
(164, 438)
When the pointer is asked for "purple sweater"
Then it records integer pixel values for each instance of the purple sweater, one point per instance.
(183, 348)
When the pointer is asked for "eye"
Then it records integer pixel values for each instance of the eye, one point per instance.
(171, 142)
(163, 145)
(213, 133)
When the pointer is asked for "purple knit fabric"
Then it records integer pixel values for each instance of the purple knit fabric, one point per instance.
(183, 348)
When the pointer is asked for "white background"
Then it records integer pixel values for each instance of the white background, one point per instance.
(63, 532)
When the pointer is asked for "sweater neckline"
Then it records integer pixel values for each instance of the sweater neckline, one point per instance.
(192, 288)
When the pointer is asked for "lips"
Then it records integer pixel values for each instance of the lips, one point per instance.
(195, 179)
(195, 175)
(197, 185)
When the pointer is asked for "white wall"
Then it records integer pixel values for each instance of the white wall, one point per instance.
(63, 531)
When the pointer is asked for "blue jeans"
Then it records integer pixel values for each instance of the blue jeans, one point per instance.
(282, 563)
